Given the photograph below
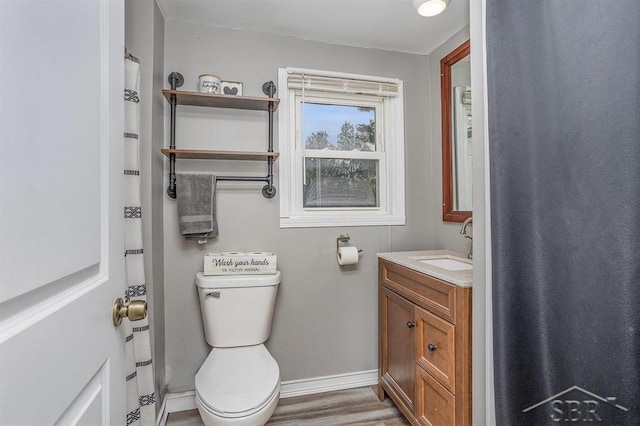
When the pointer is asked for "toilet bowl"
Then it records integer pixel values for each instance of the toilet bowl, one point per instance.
(238, 386)
(239, 382)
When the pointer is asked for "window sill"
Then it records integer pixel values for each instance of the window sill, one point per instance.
(338, 220)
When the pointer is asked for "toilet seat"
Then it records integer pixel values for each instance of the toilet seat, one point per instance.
(272, 401)
(237, 382)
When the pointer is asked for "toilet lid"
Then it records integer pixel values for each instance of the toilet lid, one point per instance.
(235, 380)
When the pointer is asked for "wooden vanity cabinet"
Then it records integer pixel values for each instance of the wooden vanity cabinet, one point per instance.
(424, 346)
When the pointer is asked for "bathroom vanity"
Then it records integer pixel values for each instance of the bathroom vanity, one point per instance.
(424, 335)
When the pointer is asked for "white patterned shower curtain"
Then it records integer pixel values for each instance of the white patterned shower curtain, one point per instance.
(141, 397)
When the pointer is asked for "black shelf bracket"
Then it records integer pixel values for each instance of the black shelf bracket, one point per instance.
(175, 80)
(269, 191)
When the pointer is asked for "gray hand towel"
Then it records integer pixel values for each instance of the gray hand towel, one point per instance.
(196, 196)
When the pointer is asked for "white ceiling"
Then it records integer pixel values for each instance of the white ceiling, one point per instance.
(382, 24)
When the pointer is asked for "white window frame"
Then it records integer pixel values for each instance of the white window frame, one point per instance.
(389, 152)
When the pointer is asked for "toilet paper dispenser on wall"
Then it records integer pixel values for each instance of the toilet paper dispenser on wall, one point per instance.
(346, 255)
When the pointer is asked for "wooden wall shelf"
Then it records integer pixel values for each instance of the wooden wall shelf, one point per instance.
(221, 101)
(268, 104)
(199, 154)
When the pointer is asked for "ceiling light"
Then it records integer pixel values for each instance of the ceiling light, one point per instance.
(430, 7)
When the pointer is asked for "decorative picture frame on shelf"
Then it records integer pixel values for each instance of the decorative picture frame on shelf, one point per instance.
(231, 88)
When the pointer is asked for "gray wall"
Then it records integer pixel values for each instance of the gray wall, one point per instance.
(144, 37)
(445, 234)
(326, 317)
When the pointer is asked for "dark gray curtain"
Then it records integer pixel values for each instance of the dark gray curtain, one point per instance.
(564, 141)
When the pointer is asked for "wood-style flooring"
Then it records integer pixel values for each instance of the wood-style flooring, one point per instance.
(359, 406)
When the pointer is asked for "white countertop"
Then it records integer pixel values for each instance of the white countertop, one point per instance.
(405, 258)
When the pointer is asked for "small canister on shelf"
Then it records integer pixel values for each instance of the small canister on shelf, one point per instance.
(209, 83)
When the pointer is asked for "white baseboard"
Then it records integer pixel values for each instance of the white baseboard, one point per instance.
(328, 383)
(181, 401)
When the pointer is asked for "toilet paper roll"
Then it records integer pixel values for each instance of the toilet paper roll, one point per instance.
(348, 255)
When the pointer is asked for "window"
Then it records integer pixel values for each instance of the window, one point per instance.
(341, 149)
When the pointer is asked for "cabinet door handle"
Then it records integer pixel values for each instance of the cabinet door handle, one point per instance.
(432, 347)
(411, 324)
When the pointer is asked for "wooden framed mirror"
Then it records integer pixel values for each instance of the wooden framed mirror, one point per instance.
(455, 74)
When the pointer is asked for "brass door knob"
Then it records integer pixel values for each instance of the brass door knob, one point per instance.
(135, 310)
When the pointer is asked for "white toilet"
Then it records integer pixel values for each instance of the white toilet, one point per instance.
(239, 382)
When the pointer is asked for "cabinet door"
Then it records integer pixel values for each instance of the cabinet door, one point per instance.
(435, 406)
(436, 347)
(398, 337)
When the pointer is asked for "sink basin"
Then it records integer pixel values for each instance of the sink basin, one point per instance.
(449, 263)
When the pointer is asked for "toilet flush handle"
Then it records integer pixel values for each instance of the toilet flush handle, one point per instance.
(214, 294)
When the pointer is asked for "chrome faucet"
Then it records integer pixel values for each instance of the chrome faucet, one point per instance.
(463, 231)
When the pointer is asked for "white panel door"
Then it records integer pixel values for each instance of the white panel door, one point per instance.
(61, 240)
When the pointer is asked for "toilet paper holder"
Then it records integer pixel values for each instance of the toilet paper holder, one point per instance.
(343, 238)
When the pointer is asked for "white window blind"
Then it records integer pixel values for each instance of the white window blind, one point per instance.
(301, 79)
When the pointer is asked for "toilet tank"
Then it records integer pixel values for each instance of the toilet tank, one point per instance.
(237, 309)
